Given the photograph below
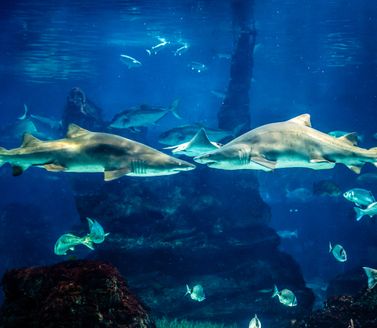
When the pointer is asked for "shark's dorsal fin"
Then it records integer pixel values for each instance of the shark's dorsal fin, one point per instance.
(30, 141)
(303, 119)
(76, 131)
(350, 138)
(200, 138)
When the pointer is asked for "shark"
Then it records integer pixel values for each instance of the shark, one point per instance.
(86, 151)
(199, 144)
(292, 143)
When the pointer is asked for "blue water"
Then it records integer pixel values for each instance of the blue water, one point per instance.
(316, 57)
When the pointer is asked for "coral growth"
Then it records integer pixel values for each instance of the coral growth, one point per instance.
(70, 294)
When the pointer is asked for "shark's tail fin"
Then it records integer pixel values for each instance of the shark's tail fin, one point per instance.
(359, 213)
(330, 247)
(174, 109)
(372, 276)
(276, 291)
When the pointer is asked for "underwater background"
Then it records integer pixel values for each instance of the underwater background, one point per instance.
(236, 233)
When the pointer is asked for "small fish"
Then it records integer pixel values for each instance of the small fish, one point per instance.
(255, 323)
(371, 210)
(286, 234)
(199, 144)
(143, 116)
(223, 55)
(158, 47)
(196, 294)
(197, 67)
(68, 242)
(96, 233)
(299, 195)
(339, 252)
(286, 296)
(181, 50)
(218, 94)
(130, 61)
(361, 197)
(372, 277)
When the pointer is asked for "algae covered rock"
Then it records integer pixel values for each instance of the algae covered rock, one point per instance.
(70, 294)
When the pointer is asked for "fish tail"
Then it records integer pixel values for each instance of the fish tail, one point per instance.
(330, 247)
(25, 115)
(276, 291)
(188, 291)
(372, 277)
(148, 52)
(87, 242)
(174, 109)
(359, 213)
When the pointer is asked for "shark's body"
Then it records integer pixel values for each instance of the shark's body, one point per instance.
(85, 151)
(292, 143)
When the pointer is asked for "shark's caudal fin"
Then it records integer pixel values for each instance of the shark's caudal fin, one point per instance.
(359, 213)
(25, 115)
(276, 291)
(330, 247)
(372, 276)
(174, 109)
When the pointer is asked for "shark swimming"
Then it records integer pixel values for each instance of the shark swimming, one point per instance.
(86, 151)
(292, 143)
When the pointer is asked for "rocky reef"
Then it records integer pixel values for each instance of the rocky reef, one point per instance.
(70, 294)
(190, 229)
(357, 311)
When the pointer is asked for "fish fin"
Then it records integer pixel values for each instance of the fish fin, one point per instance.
(188, 291)
(30, 141)
(276, 291)
(174, 109)
(349, 138)
(330, 247)
(25, 115)
(372, 276)
(359, 213)
(171, 147)
(270, 165)
(76, 131)
(54, 167)
(148, 52)
(115, 174)
(87, 242)
(200, 138)
(355, 168)
(303, 119)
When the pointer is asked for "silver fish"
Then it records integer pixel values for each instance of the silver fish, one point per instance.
(339, 252)
(158, 47)
(181, 50)
(286, 297)
(197, 67)
(69, 241)
(143, 116)
(199, 144)
(86, 151)
(255, 323)
(371, 210)
(372, 277)
(130, 61)
(196, 294)
(293, 143)
(286, 234)
(96, 233)
(359, 196)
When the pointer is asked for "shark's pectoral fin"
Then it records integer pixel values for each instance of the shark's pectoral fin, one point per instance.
(269, 165)
(112, 175)
(54, 167)
(355, 168)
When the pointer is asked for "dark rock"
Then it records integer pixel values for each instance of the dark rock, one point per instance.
(349, 283)
(345, 311)
(70, 294)
(189, 229)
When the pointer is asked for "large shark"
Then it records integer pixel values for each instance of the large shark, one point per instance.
(86, 151)
(293, 143)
